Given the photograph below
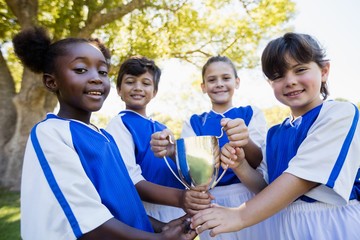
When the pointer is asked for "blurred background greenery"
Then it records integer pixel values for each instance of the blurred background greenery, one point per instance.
(9, 215)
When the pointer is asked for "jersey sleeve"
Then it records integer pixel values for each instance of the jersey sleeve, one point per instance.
(330, 153)
(257, 127)
(263, 166)
(58, 200)
(187, 130)
(125, 143)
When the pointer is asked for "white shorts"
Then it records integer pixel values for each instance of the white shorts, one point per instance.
(163, 213)
(303, 220)
(233, 196)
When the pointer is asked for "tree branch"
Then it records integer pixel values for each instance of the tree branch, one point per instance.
(99, 18)
(25, 11)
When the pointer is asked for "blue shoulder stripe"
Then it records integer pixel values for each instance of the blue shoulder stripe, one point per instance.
(344, 150)
(53, 184)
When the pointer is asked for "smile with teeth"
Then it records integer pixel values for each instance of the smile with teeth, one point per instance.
(290, 94)
(94, 93)
(136, 96)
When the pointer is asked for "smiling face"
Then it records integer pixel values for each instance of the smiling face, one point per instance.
(137, 91)
(80, 81)
(299, 87)
(220, 83)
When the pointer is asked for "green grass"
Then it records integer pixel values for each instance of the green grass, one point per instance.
(9, 215)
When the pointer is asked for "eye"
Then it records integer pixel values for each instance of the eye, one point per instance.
(103, 73)
(301, 70)
(276, 77)
(80, 70)
(129, 82)
(147, 82)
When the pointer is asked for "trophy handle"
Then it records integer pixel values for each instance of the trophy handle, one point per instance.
(167, 163)
(219, 178)
(221, 134)
(223, 173)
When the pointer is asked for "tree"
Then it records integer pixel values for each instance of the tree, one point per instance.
(187, 29)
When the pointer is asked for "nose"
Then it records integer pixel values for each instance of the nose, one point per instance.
(290, 79)
(137, 86)
(95, 78)
(219, 83)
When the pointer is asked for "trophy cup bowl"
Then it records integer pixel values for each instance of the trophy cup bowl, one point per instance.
(198, 161)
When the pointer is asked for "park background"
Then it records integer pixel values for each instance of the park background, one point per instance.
(335, 23)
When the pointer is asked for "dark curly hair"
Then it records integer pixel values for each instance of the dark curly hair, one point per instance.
(137, 66)
(34, 48)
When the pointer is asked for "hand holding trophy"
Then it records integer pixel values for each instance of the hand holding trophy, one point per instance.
(197, 159)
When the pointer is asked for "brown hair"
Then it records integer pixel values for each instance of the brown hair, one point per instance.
(301, 47)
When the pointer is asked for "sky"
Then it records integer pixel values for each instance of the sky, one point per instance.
(334, 23)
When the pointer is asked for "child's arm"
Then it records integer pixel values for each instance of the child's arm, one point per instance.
(190, 200)
(238, 136)
(114, 229)
(278, 195)
(234, 158)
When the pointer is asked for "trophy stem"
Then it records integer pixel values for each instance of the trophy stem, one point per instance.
(167, 163)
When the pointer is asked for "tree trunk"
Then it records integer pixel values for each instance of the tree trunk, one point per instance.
(32, 104)
(7, 110)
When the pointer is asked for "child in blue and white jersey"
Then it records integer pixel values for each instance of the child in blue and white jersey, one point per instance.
(310, 173)
(74, 183)
(163, 195)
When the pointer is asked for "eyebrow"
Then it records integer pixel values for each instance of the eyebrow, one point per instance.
(86, 58)
(296, 65)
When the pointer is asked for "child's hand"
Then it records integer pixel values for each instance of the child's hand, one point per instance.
(196, 199)
(218, 219)
(178, 229)
(232, 157)
(161, 145)
(236, 130)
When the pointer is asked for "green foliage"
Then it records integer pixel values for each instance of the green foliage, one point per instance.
(275, 115)
(189, 30)
(174, 124)
(8, 23)
(9, 215)
(14, 66)
(100, 120)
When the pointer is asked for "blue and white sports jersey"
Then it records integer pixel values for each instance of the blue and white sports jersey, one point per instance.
(322, 146)
(73, 181)
(132, 133)
(208, 123)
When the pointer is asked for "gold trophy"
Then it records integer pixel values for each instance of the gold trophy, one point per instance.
(198, 161)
